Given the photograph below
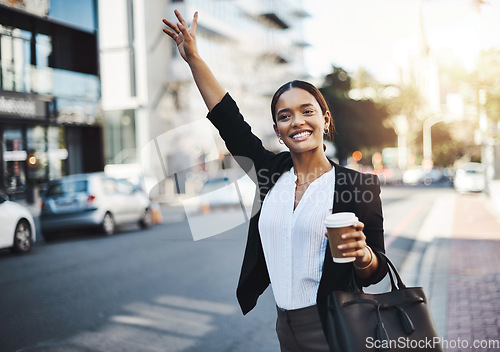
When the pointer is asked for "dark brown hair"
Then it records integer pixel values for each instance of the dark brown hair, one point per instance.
(311, 89)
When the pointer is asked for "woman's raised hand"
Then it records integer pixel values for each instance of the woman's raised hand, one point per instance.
(184, 36)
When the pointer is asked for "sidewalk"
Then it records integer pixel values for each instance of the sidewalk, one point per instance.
(460, 271)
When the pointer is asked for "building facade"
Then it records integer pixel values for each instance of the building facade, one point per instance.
(49, 93)
(148, 95)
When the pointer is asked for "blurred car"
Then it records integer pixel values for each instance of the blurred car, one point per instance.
(221, 192)
(134, 174)
(93, 200)
(414, 176)
(419, 175)
(17, 231)
(469, 178)
(449, 173)
(434, 175)
(389, 176)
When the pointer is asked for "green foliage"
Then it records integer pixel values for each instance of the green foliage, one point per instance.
(487, 77)
(359, 123)
(409, 102)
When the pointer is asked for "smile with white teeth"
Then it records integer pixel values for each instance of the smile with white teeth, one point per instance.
(302, 135)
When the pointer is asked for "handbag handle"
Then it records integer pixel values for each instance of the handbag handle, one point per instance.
(396, 281)
(401, 284)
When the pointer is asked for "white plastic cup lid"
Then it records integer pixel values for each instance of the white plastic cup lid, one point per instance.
(340, 219)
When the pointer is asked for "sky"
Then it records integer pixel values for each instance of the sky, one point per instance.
(379, 35)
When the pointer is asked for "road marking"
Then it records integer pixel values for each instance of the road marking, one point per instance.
(405, 222)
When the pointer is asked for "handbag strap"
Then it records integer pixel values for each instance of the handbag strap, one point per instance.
(393, 269)
(396, 281)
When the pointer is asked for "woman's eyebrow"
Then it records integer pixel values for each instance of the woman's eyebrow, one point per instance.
(306, 105)
(283, 110)
(301, 106)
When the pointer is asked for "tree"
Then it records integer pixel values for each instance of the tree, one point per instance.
(445, 148)
(488, 74)
(358, 123)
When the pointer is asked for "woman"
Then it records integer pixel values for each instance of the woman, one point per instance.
(286, 245)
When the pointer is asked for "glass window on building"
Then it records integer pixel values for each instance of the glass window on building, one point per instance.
(119, 132)
(57, 152)
(77, 96)
(37, 154)
(15, 52)
(42, 79)
(14, 161)
(80, 13)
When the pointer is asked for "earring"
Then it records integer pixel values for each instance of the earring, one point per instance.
(326, 130)
(280, 141)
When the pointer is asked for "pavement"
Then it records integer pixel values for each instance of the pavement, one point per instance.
(456, 258)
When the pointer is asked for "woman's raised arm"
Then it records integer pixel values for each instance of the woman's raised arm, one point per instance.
(185, 38)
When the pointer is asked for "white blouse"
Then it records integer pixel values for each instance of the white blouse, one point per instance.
(294, 241)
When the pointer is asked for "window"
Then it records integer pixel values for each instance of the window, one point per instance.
(67, 187)
(119, 132)
(15, 51)
(42, 81)
(124, 187)
(14, 158)
(57, 152)
(80, 13)
(108, 185)
(37, 153)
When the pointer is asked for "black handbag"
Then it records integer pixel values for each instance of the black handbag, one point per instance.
(399, 320)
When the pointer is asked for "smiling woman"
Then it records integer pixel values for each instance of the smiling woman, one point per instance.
(287, 246)
(300, 113)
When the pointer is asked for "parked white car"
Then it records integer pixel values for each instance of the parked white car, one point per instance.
(470, 178)
(17, 228)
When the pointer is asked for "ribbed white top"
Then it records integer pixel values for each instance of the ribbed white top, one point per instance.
(294, 242)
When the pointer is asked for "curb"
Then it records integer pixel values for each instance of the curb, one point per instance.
(434, 279)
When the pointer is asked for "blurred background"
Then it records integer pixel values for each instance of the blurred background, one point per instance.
(413, 85)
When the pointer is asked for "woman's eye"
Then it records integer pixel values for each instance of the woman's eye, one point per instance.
(283, 117)
(308, 112)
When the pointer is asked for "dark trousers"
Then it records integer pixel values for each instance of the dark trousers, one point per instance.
(300, 330)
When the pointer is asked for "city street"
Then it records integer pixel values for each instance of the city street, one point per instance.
(158, 290)
(112, 113)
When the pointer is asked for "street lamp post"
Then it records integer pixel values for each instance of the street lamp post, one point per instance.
(401, 124)
(427, 140)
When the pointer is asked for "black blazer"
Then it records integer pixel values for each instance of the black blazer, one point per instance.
(354, 192)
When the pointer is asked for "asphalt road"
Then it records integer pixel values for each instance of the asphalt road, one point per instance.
(155, 290)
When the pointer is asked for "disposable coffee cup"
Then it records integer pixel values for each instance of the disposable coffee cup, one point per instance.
(336, 225)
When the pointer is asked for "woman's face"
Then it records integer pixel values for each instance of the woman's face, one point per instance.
(299, 120)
